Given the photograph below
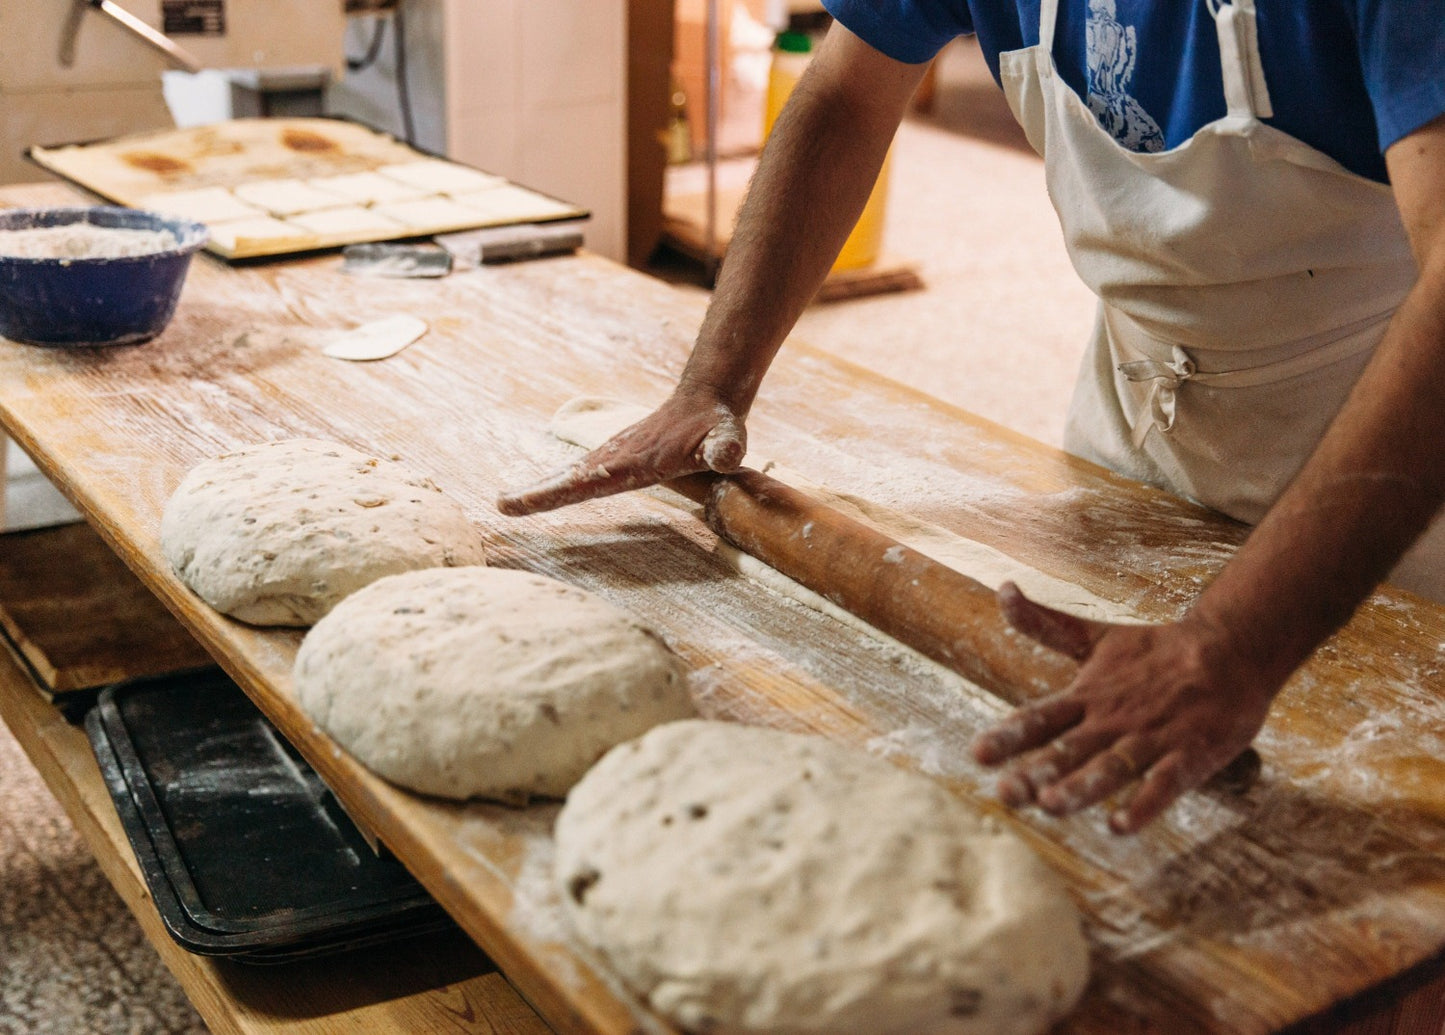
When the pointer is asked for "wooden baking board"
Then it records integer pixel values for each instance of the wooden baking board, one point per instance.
(133, 170)
(1232, 915)
(79, 618)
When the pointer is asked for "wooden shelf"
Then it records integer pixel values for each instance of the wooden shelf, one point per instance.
(78, 616)
(426, 984)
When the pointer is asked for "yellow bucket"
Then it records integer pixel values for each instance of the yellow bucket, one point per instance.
(790, 57)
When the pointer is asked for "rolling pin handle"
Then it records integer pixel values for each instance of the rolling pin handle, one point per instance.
(1239, 775)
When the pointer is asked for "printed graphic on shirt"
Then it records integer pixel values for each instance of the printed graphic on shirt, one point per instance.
(1111, 53)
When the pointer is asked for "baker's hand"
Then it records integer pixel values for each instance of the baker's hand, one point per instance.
(1159, 708)
(690, 432)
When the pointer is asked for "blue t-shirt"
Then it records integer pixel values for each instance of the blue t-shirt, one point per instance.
(1347, 77)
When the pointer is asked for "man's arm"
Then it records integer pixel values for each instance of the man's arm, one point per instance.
(815, 174)
(1170, 705)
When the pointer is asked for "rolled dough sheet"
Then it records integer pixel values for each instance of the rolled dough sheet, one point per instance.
(287, 197)
(243, 233)
(428, 213)
(204, 204)
(369, 188)
(433, 175)
(590, 421)
(512, 204)
(344, 222)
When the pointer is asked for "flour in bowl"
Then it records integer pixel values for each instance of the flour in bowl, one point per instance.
(83, 241)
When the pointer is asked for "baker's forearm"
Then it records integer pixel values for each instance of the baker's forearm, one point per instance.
(815, 175)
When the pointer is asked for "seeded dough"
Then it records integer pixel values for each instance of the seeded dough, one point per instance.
(748, 880)
(277, 534)
(484, 682)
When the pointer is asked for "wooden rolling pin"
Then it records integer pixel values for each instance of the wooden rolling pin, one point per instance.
(942, 613)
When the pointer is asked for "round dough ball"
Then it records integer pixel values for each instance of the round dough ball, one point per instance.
(484, 682)
(748, 880)
(277, 534)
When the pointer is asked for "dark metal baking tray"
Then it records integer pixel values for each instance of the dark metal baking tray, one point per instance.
(246, 852)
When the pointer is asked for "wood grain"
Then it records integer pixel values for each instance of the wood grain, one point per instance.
(1230, 915)
(942, 613)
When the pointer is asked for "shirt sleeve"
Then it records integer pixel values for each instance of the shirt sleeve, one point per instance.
(912, 31)
(1402, 56)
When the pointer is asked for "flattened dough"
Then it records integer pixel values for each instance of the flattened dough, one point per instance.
(484, 682)
(241, 233)
(286, 197)
(279, 533)
(342, 222)
(368, 188)
(442, 177)
(512, 204)
(204, 204)
(747, 880)
(429, 213)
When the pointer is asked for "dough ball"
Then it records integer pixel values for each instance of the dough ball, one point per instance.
(484, 682)
(277, 534)
(748, 880)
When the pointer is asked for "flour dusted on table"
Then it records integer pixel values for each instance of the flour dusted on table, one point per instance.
(589, 421)
(485, 682)
(279, 533)
(747, 880)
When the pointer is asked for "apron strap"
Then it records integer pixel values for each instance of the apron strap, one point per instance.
(1048, 18)
(1245, 90)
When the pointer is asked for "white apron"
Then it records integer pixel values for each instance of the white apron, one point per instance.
(1244, 279)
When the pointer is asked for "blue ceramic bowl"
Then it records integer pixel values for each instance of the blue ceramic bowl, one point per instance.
(78, 302)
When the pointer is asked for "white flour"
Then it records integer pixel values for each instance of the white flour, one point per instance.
(83, 241)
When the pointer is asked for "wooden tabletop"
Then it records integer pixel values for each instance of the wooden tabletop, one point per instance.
(1230, 915)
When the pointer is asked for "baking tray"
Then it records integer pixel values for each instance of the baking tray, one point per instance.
(246, 852)
(136, 169)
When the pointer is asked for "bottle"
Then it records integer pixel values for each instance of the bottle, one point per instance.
(791, 53)
(679, 131)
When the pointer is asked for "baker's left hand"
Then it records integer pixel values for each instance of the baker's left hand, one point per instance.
(1154, 709)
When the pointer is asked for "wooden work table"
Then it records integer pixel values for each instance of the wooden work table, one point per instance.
(1233, 914)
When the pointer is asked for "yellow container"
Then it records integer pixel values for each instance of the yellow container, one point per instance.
(791, 54)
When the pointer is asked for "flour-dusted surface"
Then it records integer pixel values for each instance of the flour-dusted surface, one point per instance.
(279, 533)
(750, 880)
(589, 421)
(83, 241)
(485, 682)
(1229, 916)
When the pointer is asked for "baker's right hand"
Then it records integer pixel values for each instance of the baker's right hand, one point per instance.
(690, 432)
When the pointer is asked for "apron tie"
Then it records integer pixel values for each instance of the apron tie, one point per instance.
(1166, 377)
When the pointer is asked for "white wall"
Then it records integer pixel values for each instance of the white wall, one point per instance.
(534, 90)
